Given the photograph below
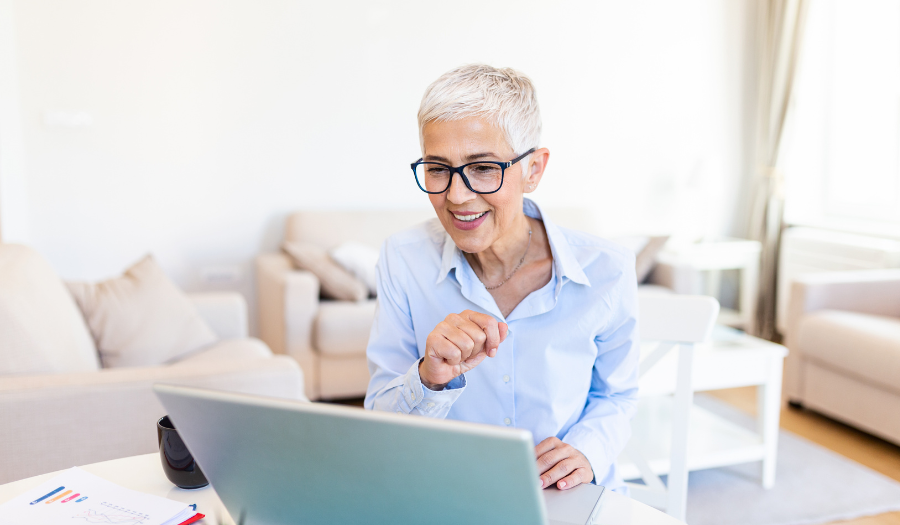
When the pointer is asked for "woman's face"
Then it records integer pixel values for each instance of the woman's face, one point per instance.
(460, 142)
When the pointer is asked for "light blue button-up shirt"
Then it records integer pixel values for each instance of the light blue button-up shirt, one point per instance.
(568, 367)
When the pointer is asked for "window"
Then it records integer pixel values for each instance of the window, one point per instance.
(842, 150)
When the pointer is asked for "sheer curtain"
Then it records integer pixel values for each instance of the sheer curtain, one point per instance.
(779, 32)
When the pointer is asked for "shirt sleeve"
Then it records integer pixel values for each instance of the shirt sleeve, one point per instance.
(393, 354)
(604, 427)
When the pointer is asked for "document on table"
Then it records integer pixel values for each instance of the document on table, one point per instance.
(77, 497)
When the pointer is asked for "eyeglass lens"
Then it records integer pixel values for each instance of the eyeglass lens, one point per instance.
(434, 177)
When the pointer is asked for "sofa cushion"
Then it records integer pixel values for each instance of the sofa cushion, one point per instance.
(645, 260)
(360, 260)
(342, 327)
(866, 346)
(41, 329)
(141, 318)
(337, 283)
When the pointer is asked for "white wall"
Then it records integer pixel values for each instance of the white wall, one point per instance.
(14, 216)
(191, 128)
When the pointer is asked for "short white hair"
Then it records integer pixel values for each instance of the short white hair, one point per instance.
(503, 95)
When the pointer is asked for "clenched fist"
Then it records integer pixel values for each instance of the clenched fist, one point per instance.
(458, 344)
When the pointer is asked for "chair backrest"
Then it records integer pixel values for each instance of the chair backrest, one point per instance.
(676, 318)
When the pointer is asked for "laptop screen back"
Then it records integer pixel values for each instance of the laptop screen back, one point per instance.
(284, 462)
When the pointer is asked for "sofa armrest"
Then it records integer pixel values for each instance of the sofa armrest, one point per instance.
(864, 291)
(288, 305)
(74, 419)
(224, 312)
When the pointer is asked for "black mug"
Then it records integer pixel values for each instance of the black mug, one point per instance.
(177, 461)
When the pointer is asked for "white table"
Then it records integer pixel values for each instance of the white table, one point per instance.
(683, 265)
(144, 473)
(732, 359)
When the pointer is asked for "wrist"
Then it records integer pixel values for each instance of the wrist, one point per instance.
(437, 387)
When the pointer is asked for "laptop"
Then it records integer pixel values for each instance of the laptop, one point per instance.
(278, 462)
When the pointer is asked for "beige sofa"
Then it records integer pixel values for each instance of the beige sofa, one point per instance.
(80, 413)
(328, 338)
(843, 334)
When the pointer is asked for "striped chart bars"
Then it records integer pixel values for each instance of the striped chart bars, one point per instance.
(56, 496)
(66, 493)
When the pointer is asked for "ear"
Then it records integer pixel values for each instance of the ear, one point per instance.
(534, 170)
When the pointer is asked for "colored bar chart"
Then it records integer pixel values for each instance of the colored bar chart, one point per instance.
(45, 496)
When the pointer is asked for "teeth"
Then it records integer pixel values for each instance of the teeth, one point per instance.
(469, 218)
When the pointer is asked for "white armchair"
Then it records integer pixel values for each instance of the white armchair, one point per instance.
(843, 333)
(328, 338)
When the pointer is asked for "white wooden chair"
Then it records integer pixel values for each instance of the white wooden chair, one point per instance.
(677, 322)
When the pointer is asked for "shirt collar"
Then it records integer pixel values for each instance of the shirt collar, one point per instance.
(566, 264)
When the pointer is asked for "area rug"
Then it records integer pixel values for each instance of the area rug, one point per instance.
(813, 485)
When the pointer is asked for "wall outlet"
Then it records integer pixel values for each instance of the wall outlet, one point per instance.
(219, 275)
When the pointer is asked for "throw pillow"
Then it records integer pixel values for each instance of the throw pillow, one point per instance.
(646, 258)
(336, 282)
(358, 259)
(41, 329)
(141, 318)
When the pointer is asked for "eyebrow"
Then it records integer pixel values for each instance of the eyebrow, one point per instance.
(469, 158)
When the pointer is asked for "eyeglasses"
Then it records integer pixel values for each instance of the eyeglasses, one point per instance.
(480, 177)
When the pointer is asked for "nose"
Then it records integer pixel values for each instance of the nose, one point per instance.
(458, 193)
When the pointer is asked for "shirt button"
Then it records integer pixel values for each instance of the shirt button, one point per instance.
(506, 379)
(508, 421)
(430, 405)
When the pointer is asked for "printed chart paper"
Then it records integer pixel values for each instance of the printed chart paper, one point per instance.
(76, 497)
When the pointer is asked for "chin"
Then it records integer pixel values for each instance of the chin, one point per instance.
(469, 243)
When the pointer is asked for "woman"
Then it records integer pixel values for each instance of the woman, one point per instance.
(493, 314)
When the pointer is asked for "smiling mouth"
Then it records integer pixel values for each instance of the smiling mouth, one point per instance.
(469, 218)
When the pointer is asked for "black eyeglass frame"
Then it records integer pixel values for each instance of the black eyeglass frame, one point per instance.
(459, 169)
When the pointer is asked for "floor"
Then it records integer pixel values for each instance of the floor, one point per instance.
(863, 448)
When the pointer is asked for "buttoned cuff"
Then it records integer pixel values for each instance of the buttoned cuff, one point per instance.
(420, 399)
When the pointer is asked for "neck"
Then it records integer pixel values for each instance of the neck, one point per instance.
(501, 257)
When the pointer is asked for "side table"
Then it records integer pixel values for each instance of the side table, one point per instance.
(731, 359)
(696, 269)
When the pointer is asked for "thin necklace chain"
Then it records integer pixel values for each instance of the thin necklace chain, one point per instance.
(516, 269)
